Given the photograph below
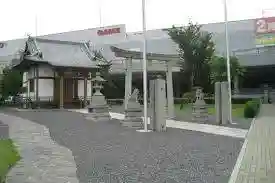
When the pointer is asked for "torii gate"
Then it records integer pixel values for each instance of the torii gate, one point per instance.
(170, 60)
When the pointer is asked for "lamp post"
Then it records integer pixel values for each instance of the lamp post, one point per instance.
(228, 63)
(144, 67)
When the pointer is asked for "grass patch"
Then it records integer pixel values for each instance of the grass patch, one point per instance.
(8, 157)
(237, 109)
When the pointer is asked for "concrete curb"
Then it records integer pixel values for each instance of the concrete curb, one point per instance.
(237, 166)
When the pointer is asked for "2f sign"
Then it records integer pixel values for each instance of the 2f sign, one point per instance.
(106, 32)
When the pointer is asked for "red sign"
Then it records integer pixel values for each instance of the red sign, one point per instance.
(106, 32)
(265, 25)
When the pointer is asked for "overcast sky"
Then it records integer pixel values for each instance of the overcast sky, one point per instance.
(18, 16)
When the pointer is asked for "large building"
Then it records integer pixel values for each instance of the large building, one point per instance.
(251, 40)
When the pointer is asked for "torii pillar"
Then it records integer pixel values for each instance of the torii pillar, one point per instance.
(128, 81)
(170, 91)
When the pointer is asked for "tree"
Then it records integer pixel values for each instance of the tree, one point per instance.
(196, 49)
(218, 66)
(11, 82)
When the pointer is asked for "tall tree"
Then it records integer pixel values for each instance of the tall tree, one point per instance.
(196, 49)
(11, 82)
(218, 66)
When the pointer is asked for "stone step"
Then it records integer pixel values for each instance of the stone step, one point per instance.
(136, 125)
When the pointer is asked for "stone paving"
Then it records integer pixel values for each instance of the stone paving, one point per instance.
(256, 162)
(106, 152)
(43, 160)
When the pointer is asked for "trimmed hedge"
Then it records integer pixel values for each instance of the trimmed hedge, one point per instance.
(252, 108)
(210, 100)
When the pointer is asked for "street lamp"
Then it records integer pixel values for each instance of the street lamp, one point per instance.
(144, 67)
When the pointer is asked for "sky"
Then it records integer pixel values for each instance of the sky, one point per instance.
(18, 16)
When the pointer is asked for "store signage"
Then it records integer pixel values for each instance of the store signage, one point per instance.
(265, 40)
(109, 31)
(265, 25)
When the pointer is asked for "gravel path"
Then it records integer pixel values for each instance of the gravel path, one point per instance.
(42, 160)
(106, 152)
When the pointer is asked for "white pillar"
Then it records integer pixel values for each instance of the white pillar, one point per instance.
(92, 85)
(28, 84)
(85, 89)
(128, 81)
(37, 84)
(170, 92)
(73, 85)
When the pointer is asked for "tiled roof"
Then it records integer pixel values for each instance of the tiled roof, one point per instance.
(61, 53)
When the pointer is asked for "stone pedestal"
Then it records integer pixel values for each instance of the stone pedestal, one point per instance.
(133, 112)
(199, 112)
(98, 108)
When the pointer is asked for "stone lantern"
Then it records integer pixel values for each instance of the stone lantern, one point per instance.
(199, 112)
(98, 108)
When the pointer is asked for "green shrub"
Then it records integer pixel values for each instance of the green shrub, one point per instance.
(190, 96)
(240, 100)
(252, 108)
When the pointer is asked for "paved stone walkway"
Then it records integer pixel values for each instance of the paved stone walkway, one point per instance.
(256, 162)
(206, 128)
(43, 160)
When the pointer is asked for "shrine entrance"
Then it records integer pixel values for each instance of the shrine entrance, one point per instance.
(164, 66)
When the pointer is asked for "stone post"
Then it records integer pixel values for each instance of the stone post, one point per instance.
(218, 102)
(225, 102)
(37, 86)
(151, 93)
(61, 91)
(98, 109)
(92, 87)
(159, 117)
(236, 85)
(170, 91)
(85, 90)
(266, 94)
